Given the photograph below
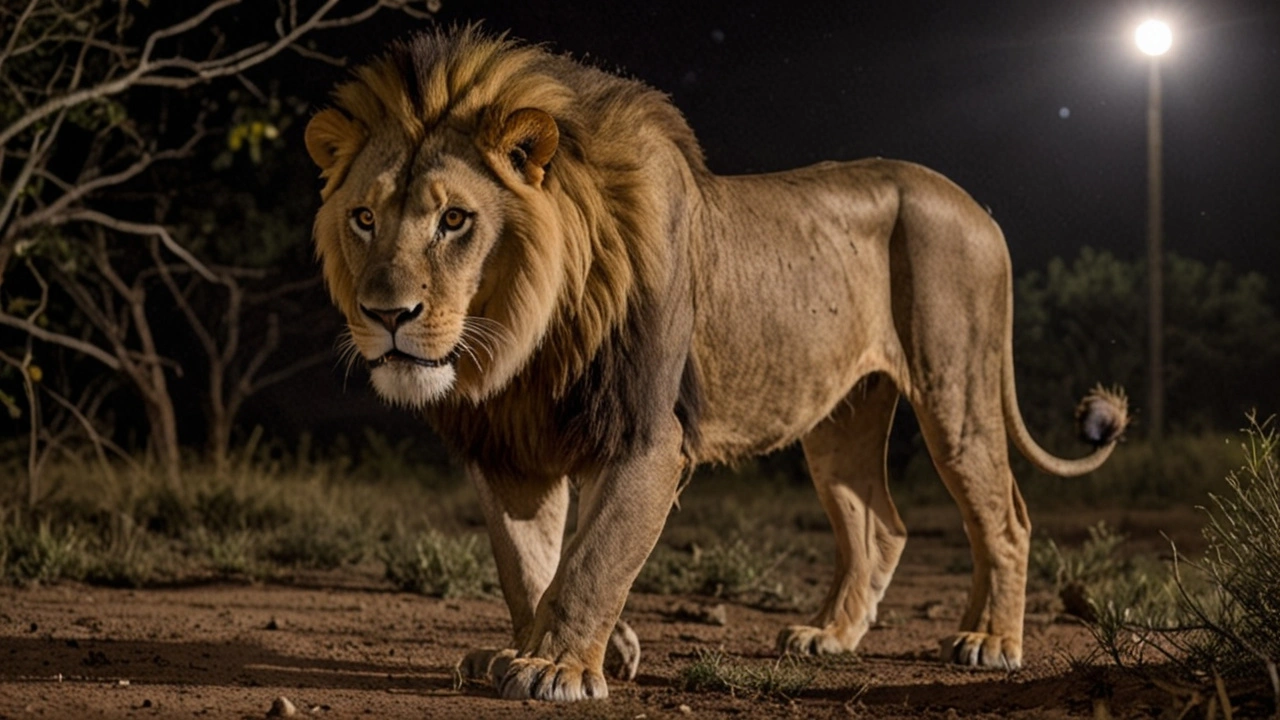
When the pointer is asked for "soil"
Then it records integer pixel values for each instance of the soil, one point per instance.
(345, 645)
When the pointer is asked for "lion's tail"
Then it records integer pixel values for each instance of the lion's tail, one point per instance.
(1101, 418)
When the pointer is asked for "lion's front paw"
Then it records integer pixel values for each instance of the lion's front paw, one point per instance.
(541, 679)
(982, 650)
(622, 654)
(808, 640)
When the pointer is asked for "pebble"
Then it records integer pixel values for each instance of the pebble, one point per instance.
(707, 615)
(685, 710)
(717, 615)
(281, 707)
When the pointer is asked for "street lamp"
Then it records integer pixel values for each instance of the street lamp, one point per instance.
(1154, 38)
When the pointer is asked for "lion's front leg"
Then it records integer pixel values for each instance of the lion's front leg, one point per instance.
(621, 513)
(525, 518)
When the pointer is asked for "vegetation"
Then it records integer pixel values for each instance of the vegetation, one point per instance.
(1202, 628)
(780, 679)
(1083, 320)
(269, 518)
(732, 569)
(1100, 578)
(114, 260)
(442, 566)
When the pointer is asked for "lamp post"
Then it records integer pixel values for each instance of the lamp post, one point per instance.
(1154, 38)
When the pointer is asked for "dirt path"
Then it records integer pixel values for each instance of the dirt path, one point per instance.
(345, 646)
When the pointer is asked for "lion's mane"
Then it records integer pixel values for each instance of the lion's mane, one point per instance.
(586, 249)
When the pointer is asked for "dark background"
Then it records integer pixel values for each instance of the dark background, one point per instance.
(977, 91)
(1037, 109)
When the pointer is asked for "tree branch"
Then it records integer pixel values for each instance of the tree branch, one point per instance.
(99, 442)
(202, 333)
(145, 230)
(15, 190)
(49, 212)
(17, 31)
(66, 341)
(289, 371)
(179, 28)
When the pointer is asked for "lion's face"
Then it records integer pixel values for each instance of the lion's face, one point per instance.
(420, 241)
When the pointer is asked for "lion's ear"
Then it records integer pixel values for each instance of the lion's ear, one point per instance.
(332, 139)
(527, 139)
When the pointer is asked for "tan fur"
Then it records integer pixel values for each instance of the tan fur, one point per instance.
(611, 313)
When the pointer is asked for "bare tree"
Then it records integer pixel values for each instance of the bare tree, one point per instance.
(72, 64)
(234, 374)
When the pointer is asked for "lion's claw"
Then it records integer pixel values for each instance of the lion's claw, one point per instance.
(541, 679)
(808, 640)
(982, 650)
(477, 665)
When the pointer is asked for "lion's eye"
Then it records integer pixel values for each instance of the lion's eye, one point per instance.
(453, 219)
(362, 221)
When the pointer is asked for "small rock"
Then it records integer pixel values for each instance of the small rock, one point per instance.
(122, 683)
(146, 703)
(707, 615)
(934, 610)
(281, 707)
(1075, 601)
(716, 615)
(685, 710)
(274, 624)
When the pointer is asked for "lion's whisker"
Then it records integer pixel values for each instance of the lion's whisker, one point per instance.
(348, 354)
(485, 334)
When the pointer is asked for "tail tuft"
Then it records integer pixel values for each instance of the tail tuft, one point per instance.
(1102, 416)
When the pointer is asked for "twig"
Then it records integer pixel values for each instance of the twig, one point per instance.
(19, 184)
(48, 213)
(146, 230)
(66, 341)
(17, 31)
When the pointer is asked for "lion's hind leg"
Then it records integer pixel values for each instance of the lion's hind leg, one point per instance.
(846, 457)
(966, 438)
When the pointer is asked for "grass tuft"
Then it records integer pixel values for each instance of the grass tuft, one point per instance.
(1100, 578)
(270, 515)
(42, 554)
(441, 565)
(713, 671)
(733, 569)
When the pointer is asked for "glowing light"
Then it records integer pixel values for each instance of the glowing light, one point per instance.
(1154, 37)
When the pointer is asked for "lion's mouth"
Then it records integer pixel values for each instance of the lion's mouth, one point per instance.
(398, 355)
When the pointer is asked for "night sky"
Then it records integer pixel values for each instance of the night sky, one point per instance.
(1036, 108)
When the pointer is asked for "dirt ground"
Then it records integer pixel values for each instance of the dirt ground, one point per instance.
(344, 645)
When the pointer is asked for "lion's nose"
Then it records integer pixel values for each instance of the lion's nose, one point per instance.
(394, 318)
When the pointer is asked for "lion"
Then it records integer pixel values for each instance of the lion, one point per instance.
(532, 253)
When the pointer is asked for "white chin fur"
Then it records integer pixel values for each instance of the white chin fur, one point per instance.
(412, 386)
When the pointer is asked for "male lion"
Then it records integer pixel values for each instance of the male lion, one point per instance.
(533, 254)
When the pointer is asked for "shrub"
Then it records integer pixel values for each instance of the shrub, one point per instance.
(42, 554)
(1241, 616)
(733, 569)
(1098, 578)
(1224, 617)
(441, 566)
